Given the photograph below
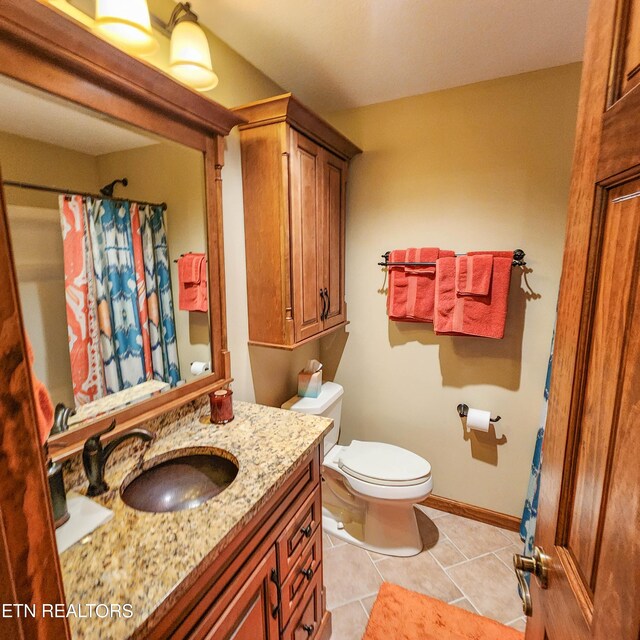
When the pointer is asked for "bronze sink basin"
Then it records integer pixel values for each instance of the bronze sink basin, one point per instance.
(179, 480)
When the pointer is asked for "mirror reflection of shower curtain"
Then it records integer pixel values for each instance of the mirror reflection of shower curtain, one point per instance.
(118, 292)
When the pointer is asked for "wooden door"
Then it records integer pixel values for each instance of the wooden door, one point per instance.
(589, 512)
(29, 567)
(253, 612)
(306, 236)
(334, 181)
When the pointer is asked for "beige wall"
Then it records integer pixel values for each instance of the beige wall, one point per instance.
(481, 167)
(25, 160)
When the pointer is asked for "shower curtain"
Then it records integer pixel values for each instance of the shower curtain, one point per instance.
(118, 292)
(530, 512)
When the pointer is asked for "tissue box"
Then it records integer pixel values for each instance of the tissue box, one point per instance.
(310, 380)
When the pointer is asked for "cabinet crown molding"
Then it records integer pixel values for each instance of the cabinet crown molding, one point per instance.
(287, 108)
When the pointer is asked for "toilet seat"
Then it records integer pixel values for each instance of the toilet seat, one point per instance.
(375, 488)
(383, 464)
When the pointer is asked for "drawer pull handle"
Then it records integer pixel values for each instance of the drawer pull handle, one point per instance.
(308, 628)
(307, 573)
(306, 532)
(324, 304)
(274, 579)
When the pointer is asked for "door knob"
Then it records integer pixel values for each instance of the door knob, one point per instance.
(538, 565)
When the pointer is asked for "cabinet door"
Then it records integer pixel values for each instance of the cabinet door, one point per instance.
(250, 614)
(334, 180)
(306, 236)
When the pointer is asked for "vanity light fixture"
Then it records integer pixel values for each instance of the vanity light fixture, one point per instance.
(190, 57)
(127, 24)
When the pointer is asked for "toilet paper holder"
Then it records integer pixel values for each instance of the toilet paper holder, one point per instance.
(463, 410)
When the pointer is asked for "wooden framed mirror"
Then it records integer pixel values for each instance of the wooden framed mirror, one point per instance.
(75, 94)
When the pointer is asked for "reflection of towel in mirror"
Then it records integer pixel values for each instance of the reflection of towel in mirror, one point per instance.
(192, 277)
(43, 404)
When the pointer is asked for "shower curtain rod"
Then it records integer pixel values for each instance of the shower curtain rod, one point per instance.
(68, 192)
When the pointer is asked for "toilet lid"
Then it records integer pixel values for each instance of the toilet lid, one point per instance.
(381, 463)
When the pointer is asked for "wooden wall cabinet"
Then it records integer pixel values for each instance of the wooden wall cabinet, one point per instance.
(267, 585)
(294, 173)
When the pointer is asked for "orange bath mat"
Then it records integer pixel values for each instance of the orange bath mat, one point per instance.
(405, 615)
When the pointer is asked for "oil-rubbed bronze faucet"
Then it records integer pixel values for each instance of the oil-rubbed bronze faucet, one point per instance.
(95, 456)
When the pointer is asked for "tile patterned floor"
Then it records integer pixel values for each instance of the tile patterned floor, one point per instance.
(465, 563)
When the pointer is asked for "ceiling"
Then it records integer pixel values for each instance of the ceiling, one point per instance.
(340, 54)
(33, 114)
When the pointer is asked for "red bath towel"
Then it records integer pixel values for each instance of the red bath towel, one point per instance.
(192, 277)
(468, 314)
(411, 290)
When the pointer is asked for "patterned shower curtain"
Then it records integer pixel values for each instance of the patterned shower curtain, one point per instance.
(118, 291)
(530, 512)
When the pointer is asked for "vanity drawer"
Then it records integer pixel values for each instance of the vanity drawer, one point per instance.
(306, 619)
(305, 570)
(293, 540)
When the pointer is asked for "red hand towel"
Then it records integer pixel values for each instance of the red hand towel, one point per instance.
(472, 315)
(473, 274)
(43, 404)
(192, 281)
(412, 288)
(189, 267)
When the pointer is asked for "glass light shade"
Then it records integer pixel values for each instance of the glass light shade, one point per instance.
(127, 24)
(190, 57)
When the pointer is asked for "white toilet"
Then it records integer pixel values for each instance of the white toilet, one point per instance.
(369, 487)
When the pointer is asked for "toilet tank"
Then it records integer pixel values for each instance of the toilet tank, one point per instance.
(328, 405)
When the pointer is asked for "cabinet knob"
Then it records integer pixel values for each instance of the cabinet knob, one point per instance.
(306, 532)
(308, 628)
(307, 573)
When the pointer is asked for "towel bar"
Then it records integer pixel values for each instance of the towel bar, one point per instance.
(518, 261)
(182, 255)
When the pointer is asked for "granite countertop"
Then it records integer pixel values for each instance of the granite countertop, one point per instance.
(142, 559)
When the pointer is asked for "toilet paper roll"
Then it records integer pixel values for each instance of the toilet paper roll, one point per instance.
(478, 419)
(198, 368)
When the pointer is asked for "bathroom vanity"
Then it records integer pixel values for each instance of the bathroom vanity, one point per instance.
(245, 564)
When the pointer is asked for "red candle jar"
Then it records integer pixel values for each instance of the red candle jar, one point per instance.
(221, 406)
